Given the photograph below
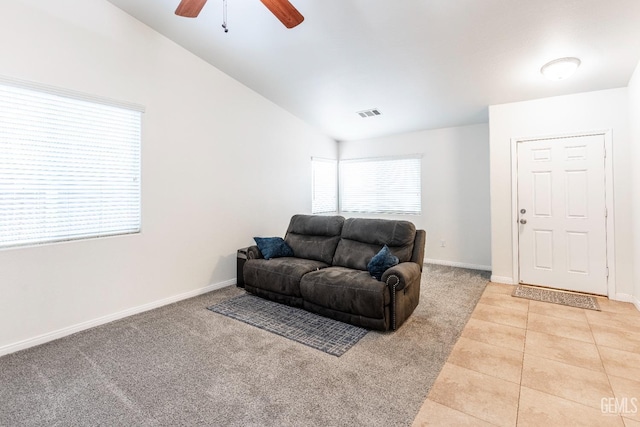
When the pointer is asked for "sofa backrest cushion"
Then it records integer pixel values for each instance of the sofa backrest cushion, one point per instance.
(314, 236)
(362, 238)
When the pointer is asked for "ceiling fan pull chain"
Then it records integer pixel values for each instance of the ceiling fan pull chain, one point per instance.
(224, 16)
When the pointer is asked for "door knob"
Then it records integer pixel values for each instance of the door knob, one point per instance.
(523, 221)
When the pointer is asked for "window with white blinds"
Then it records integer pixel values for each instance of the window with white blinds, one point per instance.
(69, 167)
(324, 192)
(382, 185)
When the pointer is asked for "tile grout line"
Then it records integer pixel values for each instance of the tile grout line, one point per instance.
(527, 331)
(613, 393)
(462, 412)
(598, 350)
(491, 345)
(564, 362)
(564, 398)
(524, 348)
(473, 370)
(601, 363)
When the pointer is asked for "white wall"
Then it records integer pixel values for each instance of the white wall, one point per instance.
(634, 120)
(607, 109)
(455, 189)
(220, 165)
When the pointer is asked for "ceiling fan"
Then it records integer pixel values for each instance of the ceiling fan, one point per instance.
(282, 9)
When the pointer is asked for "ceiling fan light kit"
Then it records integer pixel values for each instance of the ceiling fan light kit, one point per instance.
(560, 69)
(281, 9)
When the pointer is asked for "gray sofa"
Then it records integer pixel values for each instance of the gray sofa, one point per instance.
(328, 273)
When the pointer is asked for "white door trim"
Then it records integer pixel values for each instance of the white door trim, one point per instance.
(608, 171)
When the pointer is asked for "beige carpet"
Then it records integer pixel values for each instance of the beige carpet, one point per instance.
(181, 365)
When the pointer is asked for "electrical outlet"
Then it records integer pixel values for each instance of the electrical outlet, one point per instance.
(442, 243)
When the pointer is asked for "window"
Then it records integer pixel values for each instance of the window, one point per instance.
(324, 180)
(383, 185)
(69, 166)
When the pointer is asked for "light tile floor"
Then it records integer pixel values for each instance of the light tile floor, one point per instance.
(530, 363)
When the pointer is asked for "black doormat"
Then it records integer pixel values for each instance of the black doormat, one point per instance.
(557, 297)
(328, 335)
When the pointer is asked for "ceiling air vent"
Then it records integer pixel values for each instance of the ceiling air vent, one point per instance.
(369, 113)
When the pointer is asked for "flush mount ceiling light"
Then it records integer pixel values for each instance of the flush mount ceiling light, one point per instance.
(560, 69)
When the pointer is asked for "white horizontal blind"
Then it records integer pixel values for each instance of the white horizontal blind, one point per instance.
(69, 168)
(381, 185)
(324, 186)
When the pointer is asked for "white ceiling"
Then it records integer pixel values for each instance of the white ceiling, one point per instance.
(424, 64)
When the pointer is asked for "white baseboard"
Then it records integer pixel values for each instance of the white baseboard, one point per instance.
(54, 335)
(502, 279)
(622, 297)
(627, 298)
(458, 264)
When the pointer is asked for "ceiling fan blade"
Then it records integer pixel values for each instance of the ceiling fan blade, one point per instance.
(190, 8)
(285, 12)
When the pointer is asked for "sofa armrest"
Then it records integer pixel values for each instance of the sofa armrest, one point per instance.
(401, 274)
(254, 253)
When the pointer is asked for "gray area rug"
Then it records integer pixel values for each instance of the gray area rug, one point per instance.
(556, 297)
(180, 365)
(324, 334)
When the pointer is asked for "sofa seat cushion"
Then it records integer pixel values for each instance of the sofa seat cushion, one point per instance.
(279, 275)
(346, 290)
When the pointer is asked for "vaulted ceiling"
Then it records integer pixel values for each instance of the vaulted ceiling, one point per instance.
(423, 64)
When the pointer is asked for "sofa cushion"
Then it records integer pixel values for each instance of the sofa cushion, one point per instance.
(314, 237)
(279, 275)
(362, 238)
(381, 261)
(345, 290)
(273, 247)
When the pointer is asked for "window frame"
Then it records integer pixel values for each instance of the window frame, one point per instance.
(380, 181)
(314, 190)
(18, 141)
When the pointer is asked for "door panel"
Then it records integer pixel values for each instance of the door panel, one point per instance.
(561, 205)
(544, 249)
(542, 194)
(578, 252)
(577, 187)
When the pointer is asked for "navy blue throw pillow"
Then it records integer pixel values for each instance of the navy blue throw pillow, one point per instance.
(381, 262)
(273, 247)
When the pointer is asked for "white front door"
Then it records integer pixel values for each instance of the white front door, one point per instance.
(562, 213)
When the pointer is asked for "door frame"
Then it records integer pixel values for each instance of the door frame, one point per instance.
(608, 172)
